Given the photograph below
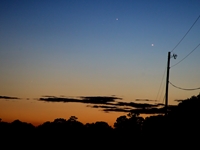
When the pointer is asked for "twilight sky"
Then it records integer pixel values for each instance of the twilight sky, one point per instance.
(78, 49)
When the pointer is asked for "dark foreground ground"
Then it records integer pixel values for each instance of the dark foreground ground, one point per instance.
(179, 129)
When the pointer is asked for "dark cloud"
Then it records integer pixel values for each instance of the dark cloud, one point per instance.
(178, 100)
(160, 110)
(58, 99)
(149, 111)
(116, 110)
(137, 105)
(140, 111)
(160, 104)
(48, 96)
(148, 100)
(8, 97)
(99, 99)
(102, 106)
(138, 108)
(109, 101)
(111, 104)
(88, 99)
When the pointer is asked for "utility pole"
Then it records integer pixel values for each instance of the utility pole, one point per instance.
(167, 82)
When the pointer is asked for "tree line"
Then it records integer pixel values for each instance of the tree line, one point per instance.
(181, 127)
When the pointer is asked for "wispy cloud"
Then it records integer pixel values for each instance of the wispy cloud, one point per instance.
(102, 106)
(110, 104)
(139, 110)
(116, 110)
(138, 105)
(147, 100)
(82, 99)
(8, 97)
(178, 100)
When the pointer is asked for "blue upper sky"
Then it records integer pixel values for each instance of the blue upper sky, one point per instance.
(94, 38)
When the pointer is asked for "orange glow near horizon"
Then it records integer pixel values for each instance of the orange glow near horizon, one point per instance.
(36, 113)
(32, 112)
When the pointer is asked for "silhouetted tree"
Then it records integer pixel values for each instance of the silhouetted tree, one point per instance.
(130, 123)
(154, 128)
(128, 128)
(185, 120)
(73, 118)
(60, 120)
(181, 127)
(121, 123)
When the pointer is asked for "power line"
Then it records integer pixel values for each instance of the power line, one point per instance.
(185, 34)
(161, 84)
(186, 55)
(164, 98)
(184, 88)
(164, 94)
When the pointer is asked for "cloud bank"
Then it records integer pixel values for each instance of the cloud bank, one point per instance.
(110, 104)
(8, 97)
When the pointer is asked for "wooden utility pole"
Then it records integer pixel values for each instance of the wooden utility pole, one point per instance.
(167, 83)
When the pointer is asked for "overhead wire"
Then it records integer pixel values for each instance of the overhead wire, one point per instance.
(192, 89)
(162, 92)
(161, 84)
(164, 98)
(180, 60)
(186, 56)
(185, 34)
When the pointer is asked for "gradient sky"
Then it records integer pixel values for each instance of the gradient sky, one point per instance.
(93, 48)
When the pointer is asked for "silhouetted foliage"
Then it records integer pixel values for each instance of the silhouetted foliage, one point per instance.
(128, 129)
(130, 123)
(180, 127)
(185, 120)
